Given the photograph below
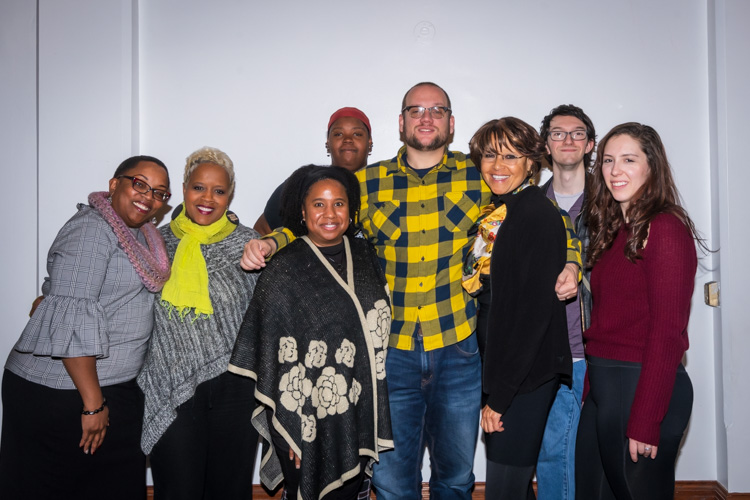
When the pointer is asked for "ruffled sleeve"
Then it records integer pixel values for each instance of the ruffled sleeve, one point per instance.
(70, 321)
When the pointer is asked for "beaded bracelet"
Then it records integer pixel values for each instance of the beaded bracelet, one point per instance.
(94, 412)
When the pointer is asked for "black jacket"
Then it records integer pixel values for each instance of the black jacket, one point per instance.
(527, 333)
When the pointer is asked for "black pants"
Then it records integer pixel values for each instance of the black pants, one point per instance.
(604, 469)
(512, 454)
(39, 454)
(209, 450)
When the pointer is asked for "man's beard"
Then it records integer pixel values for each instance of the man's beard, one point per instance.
(439, 142)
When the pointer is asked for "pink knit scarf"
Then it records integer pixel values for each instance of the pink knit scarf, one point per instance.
(151, 263)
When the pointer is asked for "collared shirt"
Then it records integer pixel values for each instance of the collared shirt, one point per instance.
(420, 226)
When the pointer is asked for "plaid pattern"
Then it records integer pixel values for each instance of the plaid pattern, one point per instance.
(94, 305)
(419, 227)
(573, 244)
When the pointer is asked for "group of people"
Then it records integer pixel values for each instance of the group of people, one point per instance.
(386, 308)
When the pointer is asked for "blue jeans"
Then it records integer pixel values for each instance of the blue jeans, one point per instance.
(555, 469)
(434, 398)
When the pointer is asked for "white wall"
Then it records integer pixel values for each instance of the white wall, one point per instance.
(260, 80)
(18, 138)
(86, 88)
(730, 108)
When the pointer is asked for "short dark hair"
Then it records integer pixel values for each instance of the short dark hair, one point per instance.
(298, 185)
(422, 84)
(509, 132)
(576, 112)
(131, 162)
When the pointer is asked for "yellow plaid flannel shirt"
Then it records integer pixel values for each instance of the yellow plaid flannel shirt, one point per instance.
(419, 228)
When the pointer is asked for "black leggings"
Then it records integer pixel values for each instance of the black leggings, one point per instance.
(604, 469)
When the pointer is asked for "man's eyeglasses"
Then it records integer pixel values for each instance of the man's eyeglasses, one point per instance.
(416, 112)
(142, 187)
(576, 135)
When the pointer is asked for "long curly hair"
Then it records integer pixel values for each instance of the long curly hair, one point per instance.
(657, 195)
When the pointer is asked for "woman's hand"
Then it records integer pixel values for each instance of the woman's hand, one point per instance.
(255, 253)
(293, 456)
(638, 448)
(491, 420)
(83, 372)
(94, 429)
(35, 304)
(566, 286)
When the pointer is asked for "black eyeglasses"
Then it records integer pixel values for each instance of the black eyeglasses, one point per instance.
(508, 159)
(576, 135)
(416, 112)
(140, 186)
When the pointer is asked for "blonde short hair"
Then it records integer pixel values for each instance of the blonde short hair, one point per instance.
(210, 155)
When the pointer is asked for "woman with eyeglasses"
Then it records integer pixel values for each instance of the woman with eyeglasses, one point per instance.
(512, 269)
(639, 397)
(72, 410)
(197, 424)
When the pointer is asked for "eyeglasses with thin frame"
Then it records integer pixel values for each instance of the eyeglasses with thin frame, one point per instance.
(143, 188)
(508, 159)
(560, 135)
(416, 112)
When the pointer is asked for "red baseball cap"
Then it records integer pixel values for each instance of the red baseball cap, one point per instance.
(352, 112)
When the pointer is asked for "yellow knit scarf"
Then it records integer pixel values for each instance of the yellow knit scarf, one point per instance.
(187, 288)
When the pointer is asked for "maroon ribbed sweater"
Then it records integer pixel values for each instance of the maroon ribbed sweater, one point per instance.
(640, 313)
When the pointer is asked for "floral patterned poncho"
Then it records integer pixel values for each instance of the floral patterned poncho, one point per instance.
(316, 346)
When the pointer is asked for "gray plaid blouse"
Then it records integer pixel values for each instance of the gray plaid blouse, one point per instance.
(94, 305)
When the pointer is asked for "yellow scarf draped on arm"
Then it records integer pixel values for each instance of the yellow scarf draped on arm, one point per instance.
(187, 288)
